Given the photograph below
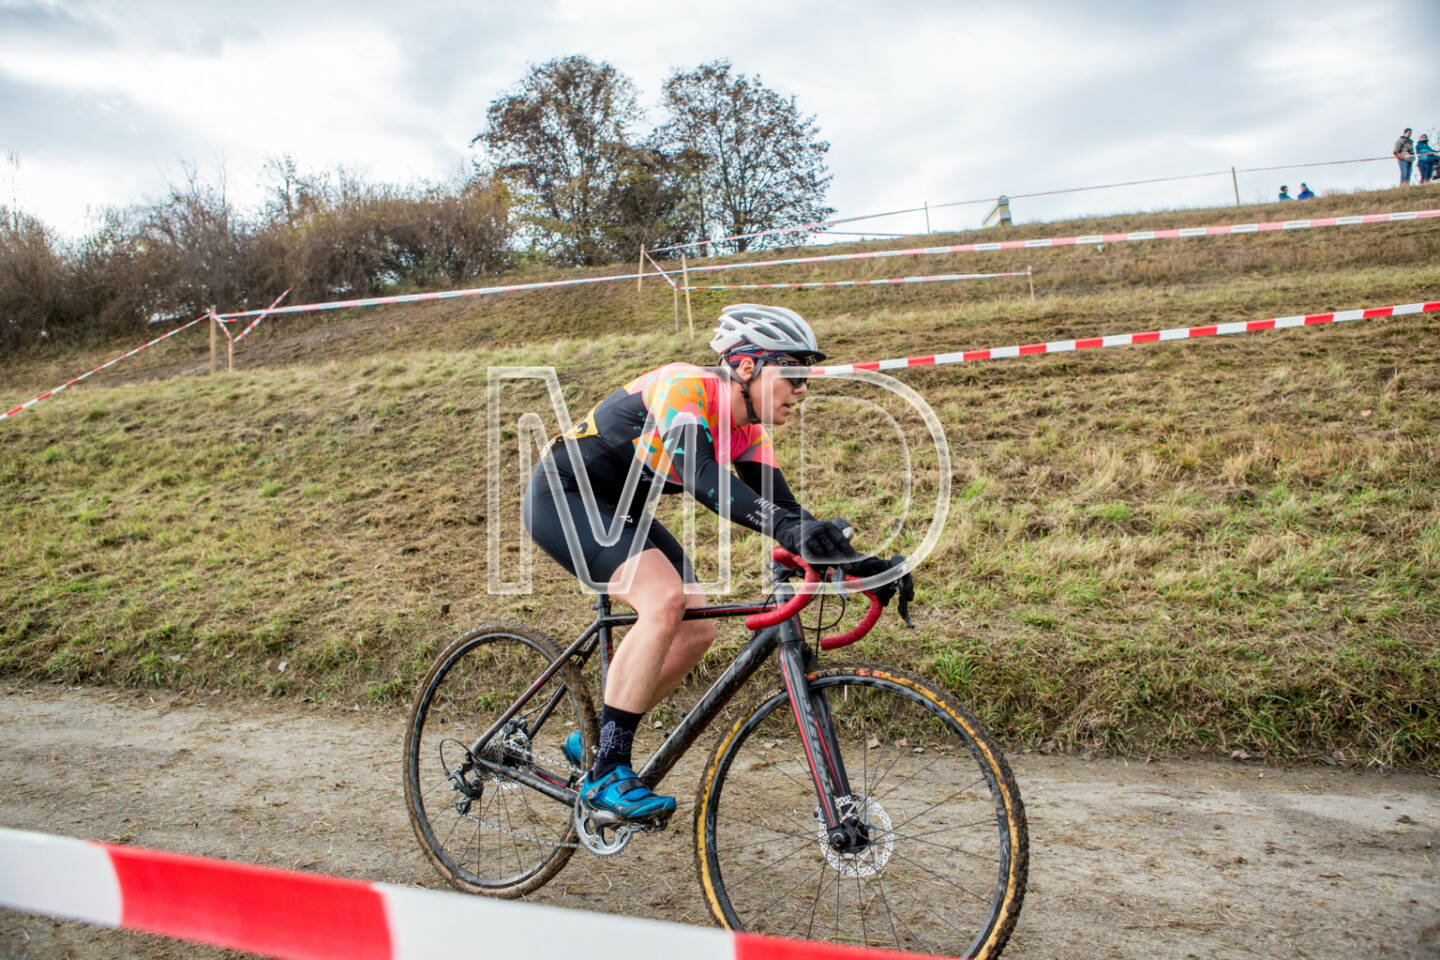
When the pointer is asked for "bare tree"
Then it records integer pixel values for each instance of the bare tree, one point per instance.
(293, 195)
(758, 162)
(195, 245)
(559, 140)
(32, 277)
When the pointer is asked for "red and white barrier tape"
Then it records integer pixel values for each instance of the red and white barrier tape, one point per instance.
(657, 266)
(436, 295)
(871, 255)
(256, 322)
(307, 916)
(860, 283)
(1098, 238)
(70, 383)
(1128, 339)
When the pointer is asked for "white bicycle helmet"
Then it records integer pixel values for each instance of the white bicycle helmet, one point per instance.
(772, 329)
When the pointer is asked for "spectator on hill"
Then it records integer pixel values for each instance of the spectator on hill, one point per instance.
(1305, 192)
(1285, 193)
(1404, 153)
(1425, 158)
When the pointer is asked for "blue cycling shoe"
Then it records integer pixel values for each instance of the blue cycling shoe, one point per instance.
(623, 795)
(572, 749)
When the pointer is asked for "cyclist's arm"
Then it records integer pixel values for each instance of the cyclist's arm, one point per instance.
(761, 476)
(692, 452)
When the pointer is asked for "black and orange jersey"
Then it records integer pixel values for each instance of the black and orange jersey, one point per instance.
(676, 420)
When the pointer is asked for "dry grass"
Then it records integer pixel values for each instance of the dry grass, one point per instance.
(1220, 544)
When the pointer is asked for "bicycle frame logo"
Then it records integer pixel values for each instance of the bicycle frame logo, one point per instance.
(531, 435)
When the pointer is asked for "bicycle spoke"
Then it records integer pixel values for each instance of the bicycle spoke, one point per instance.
(890, 791)
(915, 773)
(945, 847)
(819, 892)
(509, 822)
(784, 893)
(928, 909)
(801, 763)
(451, 831)
(760, 843)
(437, 785)
(987, 822)
(479, 855)
(860, 901)
(762, 826)
(532, 816)
(773, 863)
(936, 804)
(865, 769)
(945, 880)
(890, 912)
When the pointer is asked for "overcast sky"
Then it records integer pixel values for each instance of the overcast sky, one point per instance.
(921, 101)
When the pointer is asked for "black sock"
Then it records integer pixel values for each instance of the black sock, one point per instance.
(617, 736)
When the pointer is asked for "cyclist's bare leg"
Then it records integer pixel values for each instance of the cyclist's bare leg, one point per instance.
(657, 594)
(692, 639)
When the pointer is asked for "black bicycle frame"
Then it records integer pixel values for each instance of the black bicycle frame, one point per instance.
(812, 712)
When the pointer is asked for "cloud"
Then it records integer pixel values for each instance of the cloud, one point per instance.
(920, 100)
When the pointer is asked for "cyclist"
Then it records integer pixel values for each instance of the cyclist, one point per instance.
(684, 424)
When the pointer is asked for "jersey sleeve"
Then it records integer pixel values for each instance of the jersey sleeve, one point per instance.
(762, 476)
(683, 448)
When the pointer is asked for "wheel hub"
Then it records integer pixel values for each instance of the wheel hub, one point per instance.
(861, 843)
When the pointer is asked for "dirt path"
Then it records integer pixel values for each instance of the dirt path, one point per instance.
(1162, 860)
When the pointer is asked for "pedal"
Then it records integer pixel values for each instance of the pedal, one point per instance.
(654, 824)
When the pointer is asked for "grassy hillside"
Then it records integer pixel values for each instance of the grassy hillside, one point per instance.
(1222, 544)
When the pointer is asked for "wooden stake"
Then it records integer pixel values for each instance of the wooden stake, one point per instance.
(685, 277)
(1235, 182)
(1030, 275)
(675, 296)
(230, 356)
(640, 269)
(213, 346)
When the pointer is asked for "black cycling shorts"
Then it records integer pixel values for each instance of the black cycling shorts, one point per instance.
(543, 523)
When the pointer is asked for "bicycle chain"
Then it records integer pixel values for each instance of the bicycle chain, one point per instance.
(522, 836)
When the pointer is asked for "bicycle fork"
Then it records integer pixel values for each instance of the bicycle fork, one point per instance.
(817, 736)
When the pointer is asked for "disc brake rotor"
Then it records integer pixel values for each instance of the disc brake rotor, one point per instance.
(869, 860)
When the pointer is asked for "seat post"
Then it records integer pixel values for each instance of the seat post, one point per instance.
(607, 649)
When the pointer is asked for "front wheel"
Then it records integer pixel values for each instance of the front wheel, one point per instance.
(939, 851)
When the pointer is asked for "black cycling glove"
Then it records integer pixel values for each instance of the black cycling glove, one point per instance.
(867, 567)
(818, 541)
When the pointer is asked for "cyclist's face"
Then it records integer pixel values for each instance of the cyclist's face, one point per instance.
(780, 394)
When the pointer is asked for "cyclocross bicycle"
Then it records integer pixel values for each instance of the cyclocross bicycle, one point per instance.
(854, 803)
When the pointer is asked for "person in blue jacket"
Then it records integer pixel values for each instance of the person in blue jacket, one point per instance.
(1285, 193)
(1425, 158)
(1305, 192)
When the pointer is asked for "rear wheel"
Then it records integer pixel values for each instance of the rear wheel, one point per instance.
(937, 850)
(486, 832)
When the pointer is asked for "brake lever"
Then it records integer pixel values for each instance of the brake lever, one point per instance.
(902, 605)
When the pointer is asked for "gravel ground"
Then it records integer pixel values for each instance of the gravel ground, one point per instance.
(1171, 859)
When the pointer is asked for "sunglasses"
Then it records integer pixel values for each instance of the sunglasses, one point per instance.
(797, 380)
